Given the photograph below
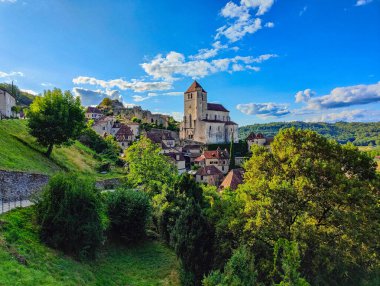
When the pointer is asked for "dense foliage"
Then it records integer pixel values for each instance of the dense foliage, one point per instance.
(360, 134)
(71, 215)
(55, 118)
(128, 212)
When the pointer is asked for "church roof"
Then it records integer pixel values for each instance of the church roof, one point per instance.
(193, 87)
(216, 107)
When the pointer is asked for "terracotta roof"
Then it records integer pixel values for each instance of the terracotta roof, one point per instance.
(193, 87)
(216, 107)
(233, 179)
(91, 109)
(215, 154)
(209, 171)
(123, 133)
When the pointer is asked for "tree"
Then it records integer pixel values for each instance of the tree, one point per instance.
(192, 240)
(106, 102)
(232, 155)
(148, 167)
(55, 118)
(71, 216)
(316, 192)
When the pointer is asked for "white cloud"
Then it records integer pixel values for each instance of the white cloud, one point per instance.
(178, 116)
(346, 96)
(10, 74)
(304, 95)
(46, 84)
(8, 1)
(239, 29)
(264, 110)
(135, 85)
(29, 91)
(256, 69)
(94, 97)
(362, 2)
(345, 115)
(262, 5)
(269, 25)
(139, 98)
(174, 93)
(174, 64)
(204, 54)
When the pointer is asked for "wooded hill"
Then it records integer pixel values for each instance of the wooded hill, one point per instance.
(360, 134)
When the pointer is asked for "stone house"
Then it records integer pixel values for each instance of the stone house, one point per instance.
(218, 158)
(104, 125)
(257, 139)
(93, 113)
(178, 159)
(124, 136)
(207, 123)
(209, 175)
(7, 101)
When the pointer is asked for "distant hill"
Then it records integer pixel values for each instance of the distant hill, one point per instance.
(360, 134)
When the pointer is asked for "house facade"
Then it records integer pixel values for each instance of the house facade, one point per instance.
(257, 139)
(207, 123)
(93, 113)
(218, 158)
(209, 175)
(7, 101)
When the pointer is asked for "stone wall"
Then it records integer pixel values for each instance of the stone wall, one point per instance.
(14, 185)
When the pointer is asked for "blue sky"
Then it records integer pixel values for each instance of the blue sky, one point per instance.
(265, 60)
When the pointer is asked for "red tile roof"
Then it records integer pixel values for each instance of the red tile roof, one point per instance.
(215, 154)
(209, 171)
(233, 179)
(193, 87)
(216, 107)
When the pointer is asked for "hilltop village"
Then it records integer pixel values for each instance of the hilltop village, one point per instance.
(199, 145)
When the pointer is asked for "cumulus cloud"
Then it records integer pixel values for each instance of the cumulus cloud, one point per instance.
(345, 115)
(346, 96)
(362, 2)
(174, 64)
(135, 85)
(304, 95)
(264, 110)
(204, 54)
(94, 97)
(262, 5)
(29, 91)
(10, 74)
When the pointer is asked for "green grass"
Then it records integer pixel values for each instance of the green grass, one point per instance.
(19, 151)
(149, 263)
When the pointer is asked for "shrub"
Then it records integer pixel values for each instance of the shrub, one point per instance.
(71, 216)
(128, 212)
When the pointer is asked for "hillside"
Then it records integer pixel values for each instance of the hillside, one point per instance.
(19, 151)
(23, 98)
(360, 134)
(24, 260)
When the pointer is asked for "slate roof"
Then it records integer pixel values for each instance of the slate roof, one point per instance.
(123, 133)
(216, 107)
(233, 179)
(193, 87)
(91, 109)
(209, 171)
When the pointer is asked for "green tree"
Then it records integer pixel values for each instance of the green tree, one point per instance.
(147, 166)
(232, 153)
(192, 239)
(106, 102)
(55, 118)
(316, 192)
(239, 271)
(71, 216)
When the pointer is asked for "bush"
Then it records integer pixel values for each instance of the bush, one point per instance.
(71, 217)
(128, 211)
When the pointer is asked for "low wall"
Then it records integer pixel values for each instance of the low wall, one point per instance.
(14, 184)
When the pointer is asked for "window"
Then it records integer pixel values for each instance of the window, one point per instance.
(202, 178)
(215, 116)
(206, 116)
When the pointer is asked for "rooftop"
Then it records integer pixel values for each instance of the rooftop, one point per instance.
(194, 86)
(233, 179)
(216, 107)
(209, 171)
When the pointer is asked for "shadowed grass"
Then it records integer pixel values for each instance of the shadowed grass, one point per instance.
(24, 260)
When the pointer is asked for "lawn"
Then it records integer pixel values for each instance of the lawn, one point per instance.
(24, 260)
(20, 151)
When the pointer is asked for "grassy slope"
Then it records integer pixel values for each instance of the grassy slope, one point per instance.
(150, 263)
(19, 151)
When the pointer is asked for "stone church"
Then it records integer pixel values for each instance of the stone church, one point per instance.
(208, 123)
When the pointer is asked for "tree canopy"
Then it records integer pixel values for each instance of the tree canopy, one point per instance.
(55, 118)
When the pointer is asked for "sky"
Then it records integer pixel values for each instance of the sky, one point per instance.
(264, 60)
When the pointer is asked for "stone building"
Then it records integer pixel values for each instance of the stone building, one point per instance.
(204, 122)
(93, 113)
(7, 101)
(209, 175)
(257, 139)
(218, 158)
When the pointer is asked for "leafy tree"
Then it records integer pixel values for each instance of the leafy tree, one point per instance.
(318, 193)
(287, 255)
(106, 102)
(128, 212)
(147, 166)
(239, 271)
(232, 155)
(55, 118)
(71, 215)
(192, 239)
